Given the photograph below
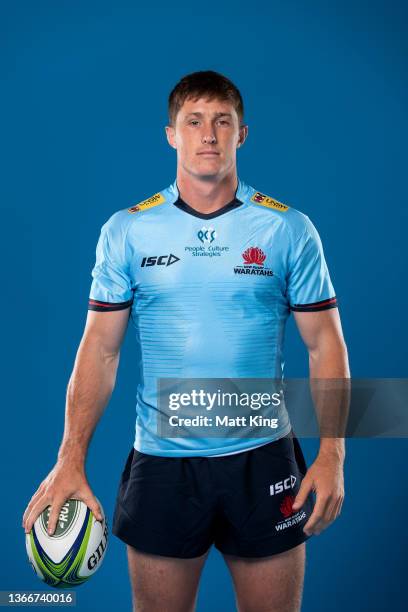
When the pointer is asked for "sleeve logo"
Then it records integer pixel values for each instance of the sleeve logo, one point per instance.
(154, 200)
(264, 200)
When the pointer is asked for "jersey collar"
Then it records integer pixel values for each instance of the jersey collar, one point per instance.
(235, 203)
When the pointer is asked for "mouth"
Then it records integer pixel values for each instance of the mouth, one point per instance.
(208, 153)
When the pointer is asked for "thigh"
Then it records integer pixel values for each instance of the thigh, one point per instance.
(269, 584)
(163, 584)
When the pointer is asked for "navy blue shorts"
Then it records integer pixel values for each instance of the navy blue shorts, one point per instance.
(241, 503)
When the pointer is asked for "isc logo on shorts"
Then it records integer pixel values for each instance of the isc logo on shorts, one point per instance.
(282, 485)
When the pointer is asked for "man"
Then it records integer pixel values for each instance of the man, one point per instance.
(209, 270)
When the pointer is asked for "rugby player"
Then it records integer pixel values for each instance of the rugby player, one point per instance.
(208, 270)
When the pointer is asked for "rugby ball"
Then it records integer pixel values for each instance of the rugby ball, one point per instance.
(76, 549)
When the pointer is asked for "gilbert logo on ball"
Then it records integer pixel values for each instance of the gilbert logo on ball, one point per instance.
(74, 552)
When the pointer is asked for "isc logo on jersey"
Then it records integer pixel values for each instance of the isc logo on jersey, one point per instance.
(74, 552)
(159, 260)
(264, 200)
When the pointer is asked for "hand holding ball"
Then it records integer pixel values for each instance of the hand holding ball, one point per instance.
(74, 552)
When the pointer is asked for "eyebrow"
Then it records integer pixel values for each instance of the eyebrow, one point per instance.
(215, 114)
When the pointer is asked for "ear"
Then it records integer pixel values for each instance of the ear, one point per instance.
(171, 136)
(243, 133)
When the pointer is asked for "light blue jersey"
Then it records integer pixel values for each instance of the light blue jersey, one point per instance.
(209, 295)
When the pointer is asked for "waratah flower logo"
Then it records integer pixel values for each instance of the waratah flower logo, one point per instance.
(254, 255)
(286, 506)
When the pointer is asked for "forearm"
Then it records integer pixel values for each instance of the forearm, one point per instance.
(330, 374)
(89, 390)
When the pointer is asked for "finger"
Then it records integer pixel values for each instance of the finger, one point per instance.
(32, 503)
(324, 522)
(328, 517)
(322, 525)
(305, 488)
(334, 511)
(341, 506)
(317, 527)
(90, 500)
(36, 510)
(54, 514)
(318, 514)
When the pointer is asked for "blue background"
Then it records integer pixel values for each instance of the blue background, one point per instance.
(83, 110)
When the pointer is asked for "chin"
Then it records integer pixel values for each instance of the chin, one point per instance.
(209, 174)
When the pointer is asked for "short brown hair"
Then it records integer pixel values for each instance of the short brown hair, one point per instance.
(204, 84)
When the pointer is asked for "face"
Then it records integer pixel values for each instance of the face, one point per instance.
(206, 136)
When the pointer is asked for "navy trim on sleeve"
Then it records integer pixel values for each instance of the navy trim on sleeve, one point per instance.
(316, 306)
(108, 306)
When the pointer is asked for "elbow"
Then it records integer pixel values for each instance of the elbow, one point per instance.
(330, 356)
(109, 357)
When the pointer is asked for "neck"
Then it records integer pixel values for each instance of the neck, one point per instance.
(204, 195)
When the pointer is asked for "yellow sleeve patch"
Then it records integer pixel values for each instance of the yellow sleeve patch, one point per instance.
(264, 200)
(154, 200)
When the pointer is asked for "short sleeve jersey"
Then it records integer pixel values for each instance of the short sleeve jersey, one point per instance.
(209, 296)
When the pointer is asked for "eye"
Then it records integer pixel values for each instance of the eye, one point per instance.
(223, 122)
(193, 122)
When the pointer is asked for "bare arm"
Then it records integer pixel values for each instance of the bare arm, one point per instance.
(92, 380)
(323, 336)
(89, 389)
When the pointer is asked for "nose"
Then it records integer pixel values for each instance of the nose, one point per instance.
(208, 139)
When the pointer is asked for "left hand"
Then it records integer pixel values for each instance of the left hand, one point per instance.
(325, 477)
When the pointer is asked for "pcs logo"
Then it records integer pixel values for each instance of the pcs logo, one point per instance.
(159, 260)
(207, 234)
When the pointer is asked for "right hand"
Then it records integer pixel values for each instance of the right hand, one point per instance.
(65, 481)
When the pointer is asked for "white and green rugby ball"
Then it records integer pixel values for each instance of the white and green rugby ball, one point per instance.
(76, 549)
